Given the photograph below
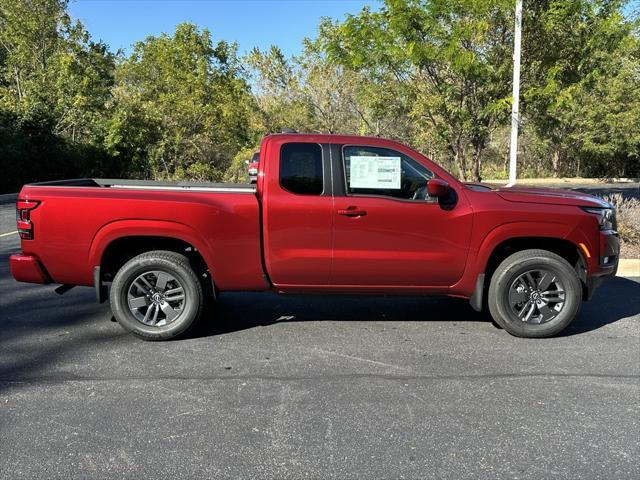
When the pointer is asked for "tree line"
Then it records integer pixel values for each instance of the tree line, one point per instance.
(435, 74)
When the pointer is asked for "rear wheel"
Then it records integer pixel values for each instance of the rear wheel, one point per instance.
(534, 293)
(157, 295)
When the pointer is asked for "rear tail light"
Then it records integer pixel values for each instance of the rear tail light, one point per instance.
(23, 218)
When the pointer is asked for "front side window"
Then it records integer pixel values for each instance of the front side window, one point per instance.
(301, 168)
(385, 172)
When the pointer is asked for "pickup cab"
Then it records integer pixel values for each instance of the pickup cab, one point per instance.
(329, 214)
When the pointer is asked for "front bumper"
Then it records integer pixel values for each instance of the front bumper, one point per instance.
(607, 262)
(26, 268)
(609, 249)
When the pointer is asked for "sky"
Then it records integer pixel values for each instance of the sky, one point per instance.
(250, 23)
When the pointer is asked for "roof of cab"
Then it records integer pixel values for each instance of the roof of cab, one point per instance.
(332, 138)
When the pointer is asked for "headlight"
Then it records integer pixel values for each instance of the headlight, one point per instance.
(606, 217)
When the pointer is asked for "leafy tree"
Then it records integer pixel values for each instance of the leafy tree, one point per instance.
(51, 69)
(54, 82)
(181, 106)
(432, 73)
(452, 59)
(279, 85)
(582, 84)
(313, 94)
(344, 100)
(238, 170)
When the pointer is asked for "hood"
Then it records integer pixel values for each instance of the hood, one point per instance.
(552, 196)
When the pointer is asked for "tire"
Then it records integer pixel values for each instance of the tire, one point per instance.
(523, 300)
(135, 298)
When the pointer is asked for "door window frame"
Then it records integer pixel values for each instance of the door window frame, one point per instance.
(340, 178)
(327, 169)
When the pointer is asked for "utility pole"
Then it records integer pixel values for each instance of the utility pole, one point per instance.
(515, 115)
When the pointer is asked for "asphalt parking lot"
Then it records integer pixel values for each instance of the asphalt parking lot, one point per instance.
(315, 387)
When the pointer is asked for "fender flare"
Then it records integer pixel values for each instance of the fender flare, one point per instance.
(147, 228)
(479, 256)
(514, 230)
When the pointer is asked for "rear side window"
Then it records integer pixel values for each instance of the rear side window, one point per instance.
(301, 168)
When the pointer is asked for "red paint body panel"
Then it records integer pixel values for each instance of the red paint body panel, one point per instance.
(400, 243)
(25, 268)
(308, 243)
(297, 228)
(74, 225)
(497, 220)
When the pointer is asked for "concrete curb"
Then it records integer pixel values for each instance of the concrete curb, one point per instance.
(628, 268)
(8, 198)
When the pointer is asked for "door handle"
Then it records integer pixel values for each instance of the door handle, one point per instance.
(352, 212)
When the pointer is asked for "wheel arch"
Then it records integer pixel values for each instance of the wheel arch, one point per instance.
(117, 243)
(560, 246)
(496, 244)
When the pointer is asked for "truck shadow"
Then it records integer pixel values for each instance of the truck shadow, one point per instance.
(615, 300)
(241, 311)
(40, 330)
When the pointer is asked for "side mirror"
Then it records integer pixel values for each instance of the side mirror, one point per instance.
(437, 187)
(247, 162)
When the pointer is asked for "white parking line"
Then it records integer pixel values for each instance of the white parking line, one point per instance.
(8, 233)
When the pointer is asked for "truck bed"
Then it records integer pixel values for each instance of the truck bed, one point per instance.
(76, 221)
(151, 185)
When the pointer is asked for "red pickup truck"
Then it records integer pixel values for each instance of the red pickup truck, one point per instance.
(329, 214)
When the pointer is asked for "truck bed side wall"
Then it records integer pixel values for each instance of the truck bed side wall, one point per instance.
(73, 227)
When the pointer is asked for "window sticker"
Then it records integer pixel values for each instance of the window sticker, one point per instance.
(375, 172)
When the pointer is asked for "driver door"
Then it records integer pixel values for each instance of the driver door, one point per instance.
(387, 231)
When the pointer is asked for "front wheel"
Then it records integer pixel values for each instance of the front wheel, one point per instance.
(157, 295)
(534, 294)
